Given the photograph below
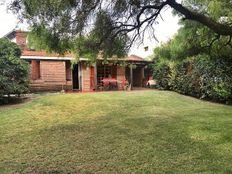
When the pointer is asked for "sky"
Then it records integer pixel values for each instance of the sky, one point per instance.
(7, 21)
(164, 31)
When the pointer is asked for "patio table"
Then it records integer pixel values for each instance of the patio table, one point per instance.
(109, 83)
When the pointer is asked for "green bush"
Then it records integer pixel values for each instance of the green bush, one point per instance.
(199, 76)
(13, 71)
(162, 73)
(216, 79)
(192, 64)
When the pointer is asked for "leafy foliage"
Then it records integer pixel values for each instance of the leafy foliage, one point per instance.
(13, 70)
(189, 65)
(83, 45)
(197, 76)
(163, 73)
(193, 39)
(214, 8)
(108, 23)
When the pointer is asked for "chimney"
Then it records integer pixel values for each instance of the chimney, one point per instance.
(21, 38)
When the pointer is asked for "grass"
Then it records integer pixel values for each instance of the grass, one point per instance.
(116, 132)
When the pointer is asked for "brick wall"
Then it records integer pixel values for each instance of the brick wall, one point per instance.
(121, 73)
(21, 39)
(53, 71)
(35, 70)
(121, 76)
(52, 77)
(85, 73)
(45, 75)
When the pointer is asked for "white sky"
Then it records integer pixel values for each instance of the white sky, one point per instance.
(7, 21)
(163, 31)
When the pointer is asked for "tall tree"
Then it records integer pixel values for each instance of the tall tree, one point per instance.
(67, 18)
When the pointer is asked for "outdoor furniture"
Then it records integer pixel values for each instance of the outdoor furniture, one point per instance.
(113, 84)
(123, 85)
(109, 83)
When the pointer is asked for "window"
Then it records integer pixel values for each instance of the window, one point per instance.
(35, 70)
(68, 70)
(106, 71)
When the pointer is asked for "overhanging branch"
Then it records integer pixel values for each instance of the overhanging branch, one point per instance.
(219, 28)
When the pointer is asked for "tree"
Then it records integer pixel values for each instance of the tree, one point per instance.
(13, 70)
(189, 65)
(86, 45)
(64, 20)
(193, 39)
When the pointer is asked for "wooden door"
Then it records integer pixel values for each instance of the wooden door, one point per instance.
(92, 78)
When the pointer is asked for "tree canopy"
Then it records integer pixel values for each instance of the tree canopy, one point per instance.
(193, 39)
(105, 22)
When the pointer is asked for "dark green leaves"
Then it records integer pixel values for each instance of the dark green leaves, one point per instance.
(13, 70)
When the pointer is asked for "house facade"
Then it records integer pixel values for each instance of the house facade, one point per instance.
(53, 72)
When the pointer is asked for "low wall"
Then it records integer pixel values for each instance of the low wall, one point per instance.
(37, 87)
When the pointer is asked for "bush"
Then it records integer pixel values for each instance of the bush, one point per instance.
(13, 71)
(162, 74)
(216, 79)
(199, 76)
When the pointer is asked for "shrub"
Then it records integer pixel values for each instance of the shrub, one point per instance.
(13, 71)
(199, 76)
(162, 73)
(215, 76)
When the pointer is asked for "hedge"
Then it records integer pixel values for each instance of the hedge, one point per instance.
(199, 76)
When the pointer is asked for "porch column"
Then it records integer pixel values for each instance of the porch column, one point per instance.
(142, 75)
(95, 76)
(131, 77)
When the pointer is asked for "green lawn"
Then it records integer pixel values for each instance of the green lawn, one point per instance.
(116, 132)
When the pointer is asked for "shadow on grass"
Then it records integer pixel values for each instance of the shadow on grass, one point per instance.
(119, 145)
(7, 101)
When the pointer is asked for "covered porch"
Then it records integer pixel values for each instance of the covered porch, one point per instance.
(138, 73)
(116, 77)
(110, 77)
(126, 74)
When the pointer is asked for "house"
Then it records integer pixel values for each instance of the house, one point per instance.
(53, 72)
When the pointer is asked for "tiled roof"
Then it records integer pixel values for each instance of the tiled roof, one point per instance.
(10, 35)
(135, 58)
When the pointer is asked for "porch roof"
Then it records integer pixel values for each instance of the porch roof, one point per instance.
(43, 55)
(136, 58)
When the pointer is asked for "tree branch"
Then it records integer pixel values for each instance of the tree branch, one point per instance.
(219, 28)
